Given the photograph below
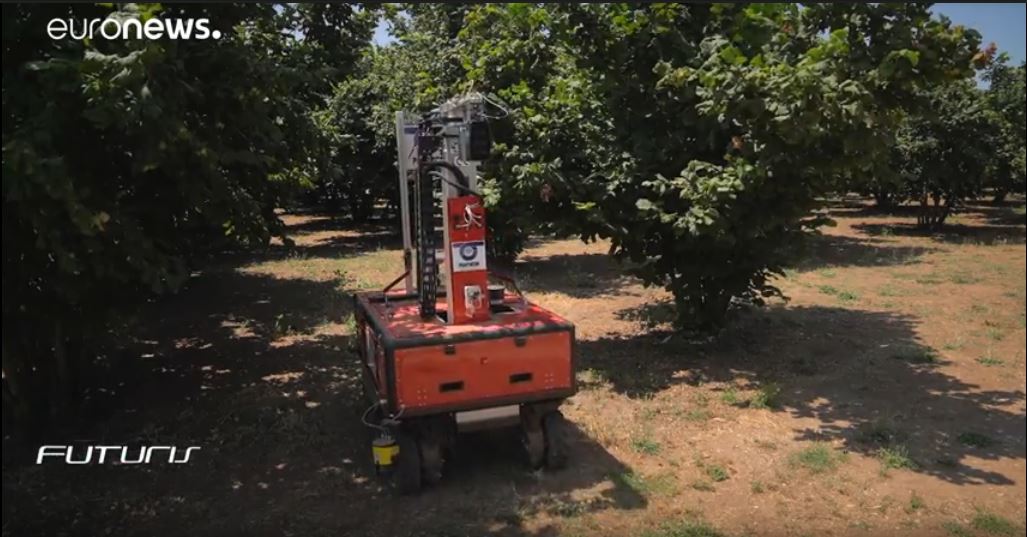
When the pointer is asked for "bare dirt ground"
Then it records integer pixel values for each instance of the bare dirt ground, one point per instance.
(886, 397)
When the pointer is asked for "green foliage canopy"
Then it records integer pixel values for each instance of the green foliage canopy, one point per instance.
(125, 160)
(697, 137)
(1007, 98)
(943, 154)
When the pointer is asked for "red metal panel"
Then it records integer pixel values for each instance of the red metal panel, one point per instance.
(475, 370)
(465, 257)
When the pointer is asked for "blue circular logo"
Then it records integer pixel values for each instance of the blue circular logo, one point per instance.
(468, 251)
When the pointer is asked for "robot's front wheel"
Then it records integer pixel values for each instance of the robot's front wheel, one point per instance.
(420, 459)
(408, 463)
(534, 442)
(554, 426)
(545, 439)
(431, 460)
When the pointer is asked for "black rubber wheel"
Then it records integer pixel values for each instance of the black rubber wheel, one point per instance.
(554, 427)
(431, 461)
(534, 444)
(408, 463)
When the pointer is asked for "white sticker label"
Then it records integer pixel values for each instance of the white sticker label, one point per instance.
(468, 256)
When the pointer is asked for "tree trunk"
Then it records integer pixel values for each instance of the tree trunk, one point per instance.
(884, 200)
(923, 217)
(40, 377)
(933, 216)
(63, 380)
(24, 396)
(16, 385)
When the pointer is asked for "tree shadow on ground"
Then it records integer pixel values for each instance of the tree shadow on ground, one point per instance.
(576, 275)
(950, 233)
(1006, 213)
(839, 251)
(999, 223)
(318, 237)
(333, 238)
(861, 208)
(255, 370)
(862, 377)
(317, 221)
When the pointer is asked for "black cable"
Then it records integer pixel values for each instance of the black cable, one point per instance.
(452, 168)
(464, 185)
(454, 185)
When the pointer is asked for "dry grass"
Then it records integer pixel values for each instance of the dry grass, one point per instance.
(799, 419)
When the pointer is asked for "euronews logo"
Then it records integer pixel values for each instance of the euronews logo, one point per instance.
(130, 28)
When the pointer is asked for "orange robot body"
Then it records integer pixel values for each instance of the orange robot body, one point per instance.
(452, 353)
(522, 353)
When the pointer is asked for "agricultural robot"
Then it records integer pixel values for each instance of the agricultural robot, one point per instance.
(457, 347)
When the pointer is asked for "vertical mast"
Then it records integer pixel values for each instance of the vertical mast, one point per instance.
(405, 163)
